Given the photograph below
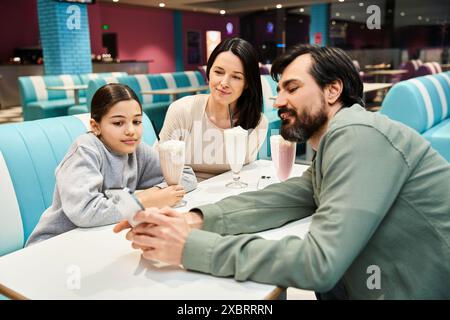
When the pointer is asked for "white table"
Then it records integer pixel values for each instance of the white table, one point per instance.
(106, 267)
(174, 92)
(368, 87)
(75, 88)
(385, 75)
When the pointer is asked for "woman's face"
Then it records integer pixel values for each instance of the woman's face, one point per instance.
(120, 129)
(226, 78)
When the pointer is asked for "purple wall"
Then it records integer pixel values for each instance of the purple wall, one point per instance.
(95, 29)
(18, 26)
(142, 33)
(203, 22)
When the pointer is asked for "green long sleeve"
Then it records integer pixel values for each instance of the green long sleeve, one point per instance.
(255, 211)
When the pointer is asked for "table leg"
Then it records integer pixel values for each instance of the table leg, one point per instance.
(76, 96)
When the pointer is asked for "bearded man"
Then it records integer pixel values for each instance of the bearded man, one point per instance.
(376, 191)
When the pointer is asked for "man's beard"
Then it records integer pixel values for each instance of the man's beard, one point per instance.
(304, 125)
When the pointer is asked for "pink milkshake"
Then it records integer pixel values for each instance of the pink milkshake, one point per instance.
(283, 156)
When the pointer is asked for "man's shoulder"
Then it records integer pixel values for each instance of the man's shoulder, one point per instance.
(356, 117)
(355, 128)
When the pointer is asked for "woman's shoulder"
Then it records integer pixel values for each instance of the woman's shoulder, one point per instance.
(188, 108)
(186, 104)
(263, 122)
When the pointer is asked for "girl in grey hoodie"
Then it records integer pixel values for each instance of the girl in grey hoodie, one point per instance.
(110, 156)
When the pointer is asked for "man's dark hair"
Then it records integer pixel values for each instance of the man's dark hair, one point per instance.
(250, 103)
(329, 64)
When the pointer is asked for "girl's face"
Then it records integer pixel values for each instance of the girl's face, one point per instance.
(120, 129)
(227, 78)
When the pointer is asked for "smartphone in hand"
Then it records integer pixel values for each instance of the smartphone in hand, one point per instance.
(126, 202)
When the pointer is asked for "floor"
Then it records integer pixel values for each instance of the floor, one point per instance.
(11, 114)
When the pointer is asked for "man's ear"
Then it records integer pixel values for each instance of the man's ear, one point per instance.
(333, 91)
(95, 127)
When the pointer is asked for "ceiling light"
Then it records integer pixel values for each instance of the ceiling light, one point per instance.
(419, 18)
(115, 0)
(402, 14)
(352, 17)
(222, 12)
(427, 19)
(341, 0)
(162, 4)
(338, 14)
(279, 6)
(301, 10)
(333, 22)
(361, 4)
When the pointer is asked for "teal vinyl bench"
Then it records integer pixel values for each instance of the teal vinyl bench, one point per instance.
(269, 89)
(423, 103)
(155, 106)
(40, 103)
(29, 154)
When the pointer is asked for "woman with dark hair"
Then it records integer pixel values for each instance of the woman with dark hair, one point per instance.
(110, 156)
(235, 100)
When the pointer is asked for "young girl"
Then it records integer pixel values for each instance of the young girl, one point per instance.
(110, 156)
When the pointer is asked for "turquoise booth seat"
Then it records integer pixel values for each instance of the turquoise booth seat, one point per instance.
(269, 89)
(155, 106)
(29, 154)
(40, 103)
(423, 103)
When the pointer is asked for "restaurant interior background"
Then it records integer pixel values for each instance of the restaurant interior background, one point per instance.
(143, 36)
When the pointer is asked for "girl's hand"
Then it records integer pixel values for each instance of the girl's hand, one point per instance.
(170, 195)
(156, 197)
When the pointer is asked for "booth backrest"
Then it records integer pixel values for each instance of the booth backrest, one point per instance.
(269, 89)
(29, 154)
(428, 68)
(33, 88)
(423, 103)
(142, 82)
(420, 103)
(85, 78)
(38, 102)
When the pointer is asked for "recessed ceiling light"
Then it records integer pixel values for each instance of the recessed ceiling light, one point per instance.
(419, 18)
(301, 10)
(279, 6)
(115, 0)
(341, 0)
(333, 22)
(352, 17)
(402, 14)
(222, 12)
(338, 14)
(361, 4)
(162, 4)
